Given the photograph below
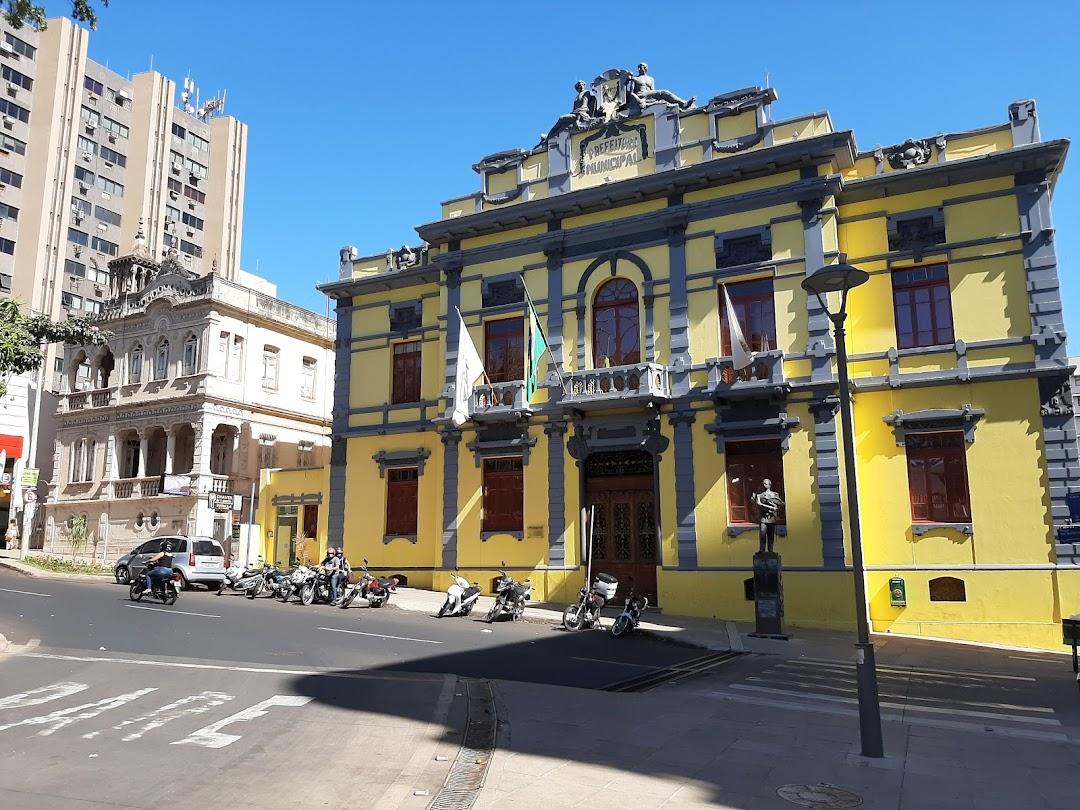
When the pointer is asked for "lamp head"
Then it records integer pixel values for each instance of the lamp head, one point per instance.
(835, 278)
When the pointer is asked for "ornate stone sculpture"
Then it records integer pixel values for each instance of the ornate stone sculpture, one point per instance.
(402, 259)
(910, 153)
(769, 504)
(641, 91)
(584, 114)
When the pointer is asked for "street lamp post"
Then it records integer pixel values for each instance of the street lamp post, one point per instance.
(842, 278)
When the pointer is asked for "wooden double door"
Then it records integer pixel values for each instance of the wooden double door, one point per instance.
(625, 535)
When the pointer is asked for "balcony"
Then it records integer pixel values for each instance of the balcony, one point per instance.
(606, 387)
(76, 402)
(499, 401)
(763, 377)
(137, 487)
(97, 398)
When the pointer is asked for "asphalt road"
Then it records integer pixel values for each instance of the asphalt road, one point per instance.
(224, 700)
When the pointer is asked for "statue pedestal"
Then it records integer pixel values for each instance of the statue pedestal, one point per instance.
(768, 596)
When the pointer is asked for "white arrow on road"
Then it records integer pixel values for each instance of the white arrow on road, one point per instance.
(211, 737)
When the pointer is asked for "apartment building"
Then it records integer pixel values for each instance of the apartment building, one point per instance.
(85, 153)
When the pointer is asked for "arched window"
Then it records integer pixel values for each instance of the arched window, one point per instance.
(161, 360)
(191, 355)
(616, 325)
(135, 364)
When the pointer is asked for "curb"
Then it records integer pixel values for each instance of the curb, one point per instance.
(29, 571)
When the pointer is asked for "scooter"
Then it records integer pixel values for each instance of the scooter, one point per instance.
(631, 615)
(510, 596)
(586, 612)
(460, 597)
(239, 577)
(376, 591)
(167, 590)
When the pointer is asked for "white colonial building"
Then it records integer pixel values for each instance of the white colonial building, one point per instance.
(203, 383)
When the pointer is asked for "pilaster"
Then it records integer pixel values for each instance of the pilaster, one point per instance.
(556, 458)
(451, 439)
(685, 499)
(827, 465)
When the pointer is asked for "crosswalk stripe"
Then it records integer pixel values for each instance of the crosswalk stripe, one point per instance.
(1042, 721)
(913, 671)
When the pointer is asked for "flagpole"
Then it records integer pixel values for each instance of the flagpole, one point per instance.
(547, 345)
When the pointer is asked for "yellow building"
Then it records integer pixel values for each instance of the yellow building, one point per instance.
(630, 225)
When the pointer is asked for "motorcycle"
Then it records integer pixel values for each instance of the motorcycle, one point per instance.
(591, 600)
(273, 579)
(167, 590)
(295, 582)
(631, 615)
(317, 588)
(239, 577)
(376, 591)
(460, 597)
(510, 596)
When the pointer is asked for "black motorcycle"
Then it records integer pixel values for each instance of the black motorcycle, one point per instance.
(269, 582)
(586, 612)
(631, 615)
(510, 596)
(317, 588)
(167, 590)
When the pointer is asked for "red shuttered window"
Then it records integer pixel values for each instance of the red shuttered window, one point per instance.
(401, 485)
(922, 306)
(748, 464)
(504, 495)
(753, 305)
(504, 350)
(406, 381)
(937, 478)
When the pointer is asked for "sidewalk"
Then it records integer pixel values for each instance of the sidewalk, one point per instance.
(11, 561)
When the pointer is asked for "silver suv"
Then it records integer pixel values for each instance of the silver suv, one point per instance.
(197, 560)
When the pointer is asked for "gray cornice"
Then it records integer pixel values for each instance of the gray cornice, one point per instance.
(346, 287)
(1048, 157)
(839, 146)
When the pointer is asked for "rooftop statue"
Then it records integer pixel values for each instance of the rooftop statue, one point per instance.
(586, 113)
(641, 90)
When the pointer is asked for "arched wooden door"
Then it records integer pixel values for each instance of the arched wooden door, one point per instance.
(620, 486)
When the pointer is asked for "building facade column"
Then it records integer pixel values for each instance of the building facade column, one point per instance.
(204, 437)
(335, 523)
(680, 359)
(685, 499)
(453, 301)
(144, 452)
(234, 459)
(554, 331)
(451, 439)
(827, 466)
(820, 343)
(555, 431)
(170, 450)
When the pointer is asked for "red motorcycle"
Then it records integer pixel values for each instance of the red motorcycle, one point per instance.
(376, 591)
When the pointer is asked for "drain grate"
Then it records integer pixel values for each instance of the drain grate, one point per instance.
(678, 672)
(822, 795)
(467, 773)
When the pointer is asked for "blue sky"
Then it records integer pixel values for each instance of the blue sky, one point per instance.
(363, 117)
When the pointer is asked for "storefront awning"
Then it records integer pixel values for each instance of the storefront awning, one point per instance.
(12, 445)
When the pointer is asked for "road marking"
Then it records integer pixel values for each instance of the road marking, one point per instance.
(170, 711)
(93, 659)
(1042, 721)
(24, 593)
(211, 737)
(620, 663)
(956, 725)
(65, 717)
(43, 694)
(169, 610)
(380, 635)
(914, 671)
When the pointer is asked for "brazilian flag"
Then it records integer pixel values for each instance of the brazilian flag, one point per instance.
(537, 347)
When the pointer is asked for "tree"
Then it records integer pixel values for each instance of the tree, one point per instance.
(24, 12)
(78, 534)
(22, 337)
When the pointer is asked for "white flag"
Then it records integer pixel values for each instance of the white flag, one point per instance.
(741, 356)
(469, 369)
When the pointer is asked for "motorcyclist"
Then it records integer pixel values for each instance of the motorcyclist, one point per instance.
(341, 575)
(159, 566)
(331, 564)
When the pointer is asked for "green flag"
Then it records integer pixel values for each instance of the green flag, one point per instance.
(537, 347)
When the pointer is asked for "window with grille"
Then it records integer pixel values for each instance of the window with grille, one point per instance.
(406, 381)
(401, 500)
(922, 306)
(504, 350)
(754, 308)
(748, 464)
(937, 478)
(503, 495)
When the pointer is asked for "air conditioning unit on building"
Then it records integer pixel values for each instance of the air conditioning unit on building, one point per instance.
(12, 89)
(88, 156)
(191, 205)
(124, 94)
(9, 122)
(107, 163)
(112, 138)
(90, 129)
(77, 251)
(176, 167)
(83, 188)
(98, 291)
(190, 231)
(173, 195)
(5, 47)
(194, 181)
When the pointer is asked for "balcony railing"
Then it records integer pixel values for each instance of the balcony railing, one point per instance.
(765, 374)
(499, 400)
(76, 402)
(222, 483)
(608, 386)
(99, 399)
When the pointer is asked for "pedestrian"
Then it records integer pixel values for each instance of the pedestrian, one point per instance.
(11, 536)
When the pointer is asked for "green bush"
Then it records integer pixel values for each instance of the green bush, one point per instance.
(66, 566)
